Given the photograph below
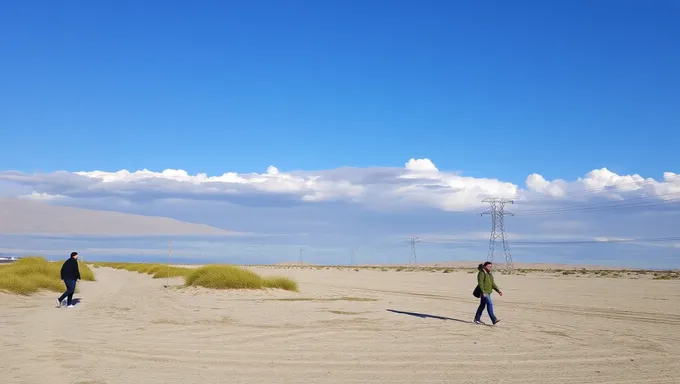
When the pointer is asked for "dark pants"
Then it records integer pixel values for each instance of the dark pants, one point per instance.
(70, 289)
(485, 301)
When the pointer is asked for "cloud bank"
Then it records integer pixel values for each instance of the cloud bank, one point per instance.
(329, 212)
(419, 184)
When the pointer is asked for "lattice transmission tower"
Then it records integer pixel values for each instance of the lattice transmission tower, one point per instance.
(497, 213)
(413, 240)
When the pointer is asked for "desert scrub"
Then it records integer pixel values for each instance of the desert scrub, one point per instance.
(32, 274)
(171, 272)
(281, 283)
(157, 271)
(209, 276)
(230, 277)
(667, 276)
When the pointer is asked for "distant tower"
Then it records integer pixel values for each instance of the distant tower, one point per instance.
(497, 213)
(302, 252)
(413, 240)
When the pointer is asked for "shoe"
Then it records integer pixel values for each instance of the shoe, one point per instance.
(479, 322)
(58, 303)
(70, 306)
(497, 321)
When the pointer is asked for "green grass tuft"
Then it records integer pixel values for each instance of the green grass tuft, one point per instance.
(230, 277)
(224, 277)
(29, 275)
(281, 283)
(209, 276)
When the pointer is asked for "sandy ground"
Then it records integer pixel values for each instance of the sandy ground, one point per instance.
(128, 328)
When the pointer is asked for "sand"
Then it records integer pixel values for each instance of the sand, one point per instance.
(128, 328)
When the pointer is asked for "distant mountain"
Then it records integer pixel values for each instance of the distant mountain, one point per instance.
(20, 216)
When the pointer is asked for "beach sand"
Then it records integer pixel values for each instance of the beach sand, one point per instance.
(346, 326)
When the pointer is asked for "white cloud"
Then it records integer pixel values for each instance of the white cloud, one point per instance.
(605, 183)
(421, 165)
(418, 184)
(608, 239)
(42, 196)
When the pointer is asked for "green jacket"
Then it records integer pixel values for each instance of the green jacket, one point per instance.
(486, 283)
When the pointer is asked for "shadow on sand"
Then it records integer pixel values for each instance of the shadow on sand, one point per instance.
(427, 316)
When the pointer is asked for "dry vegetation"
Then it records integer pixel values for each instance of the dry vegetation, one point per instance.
(33, 274)
(573, 272)
(343, 298)
(209, 276)
(157, 271)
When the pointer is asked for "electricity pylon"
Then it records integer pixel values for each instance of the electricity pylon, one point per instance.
(497, 213)
(413, 240)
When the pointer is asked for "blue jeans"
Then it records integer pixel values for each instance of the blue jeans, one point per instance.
(485, 301)
(70, 289)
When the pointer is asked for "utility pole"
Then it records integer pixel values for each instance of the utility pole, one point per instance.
(413, 240)
(302, 251)
(352, 255)
(497, 213)
(167, 280)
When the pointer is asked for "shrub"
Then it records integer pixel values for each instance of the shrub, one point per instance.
(86, 273)
(230, 277)
(155, 270)
(209, 276)
(667, 276)
(171, 272)
(281, 283)
(32, 274)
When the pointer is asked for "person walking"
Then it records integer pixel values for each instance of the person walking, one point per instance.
(70, 274)
(486, 286)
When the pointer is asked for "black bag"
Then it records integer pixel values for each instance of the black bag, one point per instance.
(477, 292)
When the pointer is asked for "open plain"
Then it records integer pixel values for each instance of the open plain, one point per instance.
(347, 326)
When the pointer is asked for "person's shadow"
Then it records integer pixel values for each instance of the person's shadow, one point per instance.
(427, 316)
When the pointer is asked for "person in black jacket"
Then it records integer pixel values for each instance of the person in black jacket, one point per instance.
(70, 274)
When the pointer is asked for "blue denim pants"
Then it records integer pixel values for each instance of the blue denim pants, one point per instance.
(485, 301)
(70, 289)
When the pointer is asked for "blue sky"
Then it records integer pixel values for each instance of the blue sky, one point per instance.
(493, 90)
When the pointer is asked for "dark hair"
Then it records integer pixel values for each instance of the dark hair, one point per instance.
(484, 265)
(74, 254)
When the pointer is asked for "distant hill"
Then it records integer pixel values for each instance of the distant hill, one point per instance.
(21, 216)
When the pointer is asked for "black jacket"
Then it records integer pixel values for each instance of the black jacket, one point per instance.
(69, 271)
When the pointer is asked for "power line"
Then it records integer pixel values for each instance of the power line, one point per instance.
(596, 207)
(642, 201)
(497, 213)
(471, 242)
(653, 198)
(593, 241)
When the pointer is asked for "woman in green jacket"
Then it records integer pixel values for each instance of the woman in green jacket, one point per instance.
(486, 286)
